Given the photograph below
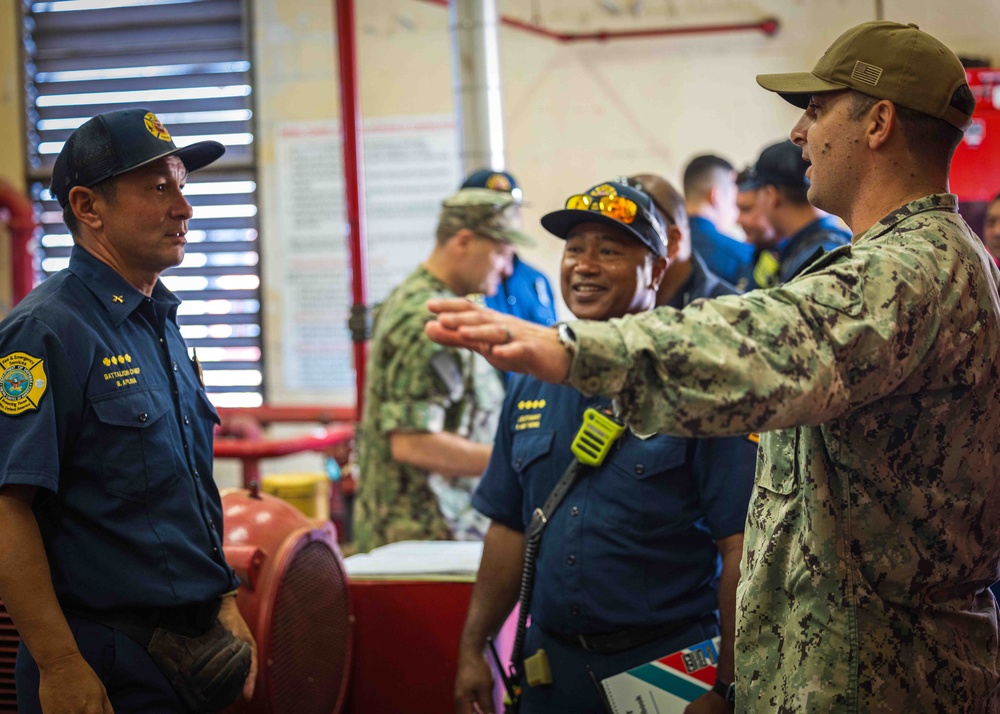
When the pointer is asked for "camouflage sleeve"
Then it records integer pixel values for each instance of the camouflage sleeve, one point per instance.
(422, 380)
(847, 331)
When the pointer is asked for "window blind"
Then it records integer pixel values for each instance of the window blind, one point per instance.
(188, 61)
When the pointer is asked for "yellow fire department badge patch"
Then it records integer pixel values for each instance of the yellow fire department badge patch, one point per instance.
(155, 127)
(22, 383)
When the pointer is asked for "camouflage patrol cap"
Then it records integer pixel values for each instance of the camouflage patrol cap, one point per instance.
(491, 214)
(885, 60)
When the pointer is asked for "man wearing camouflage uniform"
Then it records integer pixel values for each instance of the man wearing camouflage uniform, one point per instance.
(430, 412)
(874, 531)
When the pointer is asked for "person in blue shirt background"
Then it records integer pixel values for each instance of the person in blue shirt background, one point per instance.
(801, 232)
(710, 195)
(110, 520)
(526, 293)
(642, 557)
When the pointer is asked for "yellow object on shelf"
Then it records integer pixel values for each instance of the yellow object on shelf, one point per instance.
(310, 493)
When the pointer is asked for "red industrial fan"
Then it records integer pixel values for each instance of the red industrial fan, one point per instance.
(294, 597)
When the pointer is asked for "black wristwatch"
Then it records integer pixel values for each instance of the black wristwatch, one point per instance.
(726, 690)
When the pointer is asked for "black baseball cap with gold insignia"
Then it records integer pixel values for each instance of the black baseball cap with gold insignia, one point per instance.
(615, 204)
(495, 181)
(117, 142)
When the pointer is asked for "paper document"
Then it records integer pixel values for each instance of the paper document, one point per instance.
(666, 685)
(418, 558)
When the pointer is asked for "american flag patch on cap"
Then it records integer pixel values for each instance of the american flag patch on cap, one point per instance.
(867, 73)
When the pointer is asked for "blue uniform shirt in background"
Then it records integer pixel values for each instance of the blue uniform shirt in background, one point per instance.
(119, 444)
(525, 294)
(826, 232)
(633, 543)
(727, 257)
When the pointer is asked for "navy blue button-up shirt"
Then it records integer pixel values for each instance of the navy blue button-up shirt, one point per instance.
(727, 257)
(633, 543)
(114, 426)
(794, 252)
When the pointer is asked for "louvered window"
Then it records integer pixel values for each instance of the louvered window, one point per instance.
(189, 62)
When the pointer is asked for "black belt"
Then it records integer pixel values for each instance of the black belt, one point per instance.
(140, 622)
(614, 642)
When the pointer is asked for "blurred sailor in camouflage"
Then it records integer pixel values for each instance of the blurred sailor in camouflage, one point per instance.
(526, 292)
(431, 412)
(874, 530)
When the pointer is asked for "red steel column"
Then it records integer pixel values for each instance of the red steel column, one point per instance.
(350, 112)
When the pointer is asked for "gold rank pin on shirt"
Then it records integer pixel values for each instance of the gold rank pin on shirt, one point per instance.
(197, 366)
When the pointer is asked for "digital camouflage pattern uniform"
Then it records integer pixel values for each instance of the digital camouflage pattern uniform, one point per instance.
(414, 384)
(874, 530)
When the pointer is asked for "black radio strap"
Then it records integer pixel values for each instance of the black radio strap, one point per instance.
(539, 519)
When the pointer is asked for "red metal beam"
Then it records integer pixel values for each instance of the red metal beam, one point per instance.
(768, 26)
(350, 113)
(22, 226)
(272, 415)
(269, 448)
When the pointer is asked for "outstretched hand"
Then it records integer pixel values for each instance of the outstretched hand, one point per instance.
(508, 343)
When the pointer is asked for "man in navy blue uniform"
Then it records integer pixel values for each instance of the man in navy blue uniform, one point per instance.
(687, 275)
(526, 293)
(710, 193)
(642, 557)
(802, 232)
(110, 520)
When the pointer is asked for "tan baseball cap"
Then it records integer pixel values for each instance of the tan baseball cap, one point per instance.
(885, 60)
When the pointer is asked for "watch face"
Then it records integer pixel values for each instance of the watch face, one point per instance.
(566, 336)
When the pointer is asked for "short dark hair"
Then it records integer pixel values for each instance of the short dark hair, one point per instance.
(106, 189)
(700, 173)
(796, 195)
(923, 134)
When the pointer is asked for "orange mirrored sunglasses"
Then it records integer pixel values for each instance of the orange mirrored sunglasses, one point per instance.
(618, 207)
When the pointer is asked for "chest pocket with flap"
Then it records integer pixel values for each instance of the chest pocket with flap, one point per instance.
(139, 442)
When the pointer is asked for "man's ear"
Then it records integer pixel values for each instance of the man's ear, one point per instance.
(880, 123)
(769, 196)
(714, 195)
(462, 239)
(673, 242)
(659, 270)
(84, 204)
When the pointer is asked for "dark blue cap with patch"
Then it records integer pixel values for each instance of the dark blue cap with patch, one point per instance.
(116, 142)
(647, 226)
(495, 181)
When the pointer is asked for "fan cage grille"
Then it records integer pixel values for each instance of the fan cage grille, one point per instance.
(310, 634)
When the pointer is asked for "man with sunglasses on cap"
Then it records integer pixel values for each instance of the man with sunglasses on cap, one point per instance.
(642, 556)
(873, 533)
(526, 292)
(112, 565)
(801, 232)
(430, 412)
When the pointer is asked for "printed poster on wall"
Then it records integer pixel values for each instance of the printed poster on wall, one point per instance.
(411, 164)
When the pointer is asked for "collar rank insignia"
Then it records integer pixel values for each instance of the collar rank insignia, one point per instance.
(118, 298)
(22, 383)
